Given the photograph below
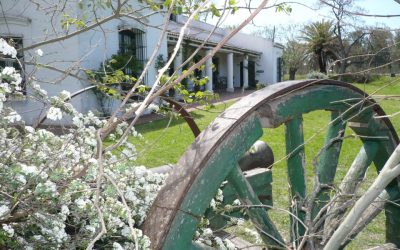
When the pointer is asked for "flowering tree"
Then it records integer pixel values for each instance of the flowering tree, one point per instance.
(82, 189)
(72, 190)
(48, 189)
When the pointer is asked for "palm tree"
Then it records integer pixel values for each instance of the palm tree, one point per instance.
(319, 37)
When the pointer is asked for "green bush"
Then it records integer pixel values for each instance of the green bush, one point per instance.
(316, 75)
(360, 78)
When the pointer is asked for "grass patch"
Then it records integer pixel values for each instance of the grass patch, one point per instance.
(166, 140)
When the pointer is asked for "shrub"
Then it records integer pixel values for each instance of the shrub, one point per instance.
(360, 78)
(316, 75)
(260, 85)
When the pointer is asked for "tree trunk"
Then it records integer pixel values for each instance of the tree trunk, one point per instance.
(342, 69)
(343, 66)
(321, 62)
(292, 73)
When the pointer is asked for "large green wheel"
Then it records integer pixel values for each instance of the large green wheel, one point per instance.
(213, 158)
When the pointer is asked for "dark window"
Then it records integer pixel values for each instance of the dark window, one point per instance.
(252, 74)
(172, 17)
(131, 45)
(8, 61)
(279, 63)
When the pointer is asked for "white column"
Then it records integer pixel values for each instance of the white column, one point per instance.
(229, 65)
(245, 72)
(209, 73)
(177, 63)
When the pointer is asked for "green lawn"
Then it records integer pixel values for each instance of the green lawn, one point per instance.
(164, 144)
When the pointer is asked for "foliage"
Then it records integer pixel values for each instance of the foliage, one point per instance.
(68, 21)
(111, 80)
(316, 75)
(112, 73)
(293, 57)
(160, 62)
(260, 85)
(379, 43)
(319, 38)
(366, 77)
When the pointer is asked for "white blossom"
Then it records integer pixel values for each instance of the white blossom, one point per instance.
(65, 94)
(39, 90)
(236, 202)
(4, 210)
(117, 246)
(28, 170)
(54, 114)
(48, 187)
(213, 205)
(82, 203)
(207, 232)
(39, 52)
(6, 88)
(30, 129)
(13, 117)
(90, 228)
(220, 244)
(20, 178)
(6, 49)
(77, 121)
(229, 245)
(253, 234)
(65, 210)
(153, 107)
(9, 230)
(11, 72)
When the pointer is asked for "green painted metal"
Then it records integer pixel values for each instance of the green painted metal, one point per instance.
(258, 215)
(208, 181)
(296, 174)
(328, 160)
(260, 180)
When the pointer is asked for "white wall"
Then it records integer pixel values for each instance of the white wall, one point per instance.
(222, 64)
(266, 62)
(236, 70)
(86, 50)
(89, 49)
(36, 27)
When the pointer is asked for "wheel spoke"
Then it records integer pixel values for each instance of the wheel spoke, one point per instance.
(296, 174)
(255, 209)
(328, 162)
(349, 186)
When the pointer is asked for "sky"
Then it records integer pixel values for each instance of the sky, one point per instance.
(303, 15)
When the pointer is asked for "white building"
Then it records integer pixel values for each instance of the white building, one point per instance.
(242, 62)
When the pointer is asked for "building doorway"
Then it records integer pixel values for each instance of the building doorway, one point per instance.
(252, 74)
